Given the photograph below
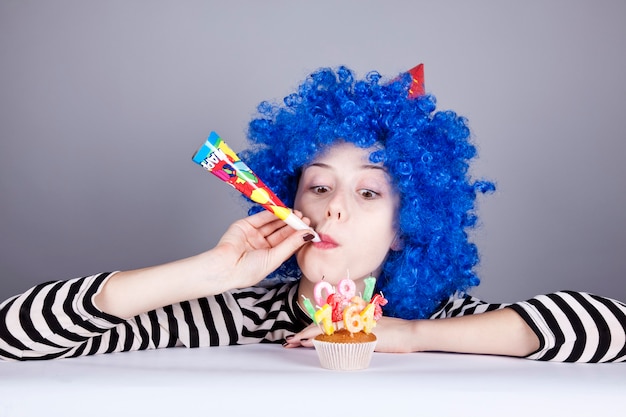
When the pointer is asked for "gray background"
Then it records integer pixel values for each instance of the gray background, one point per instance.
(104, 102)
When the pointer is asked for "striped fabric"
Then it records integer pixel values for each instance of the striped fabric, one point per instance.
(59, 319)
(571, 326)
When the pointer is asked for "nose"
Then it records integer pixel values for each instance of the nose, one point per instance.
(336, 208)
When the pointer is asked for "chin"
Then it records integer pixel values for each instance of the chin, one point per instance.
(322, 272)
(331, 268)
(333, 276)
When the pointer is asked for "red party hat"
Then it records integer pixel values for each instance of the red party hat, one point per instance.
(417, 85)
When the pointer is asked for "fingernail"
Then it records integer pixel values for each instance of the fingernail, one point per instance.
(288, 338)
(308, 237)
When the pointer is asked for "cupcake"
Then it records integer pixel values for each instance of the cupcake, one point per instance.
(345, 351)
(347, 320)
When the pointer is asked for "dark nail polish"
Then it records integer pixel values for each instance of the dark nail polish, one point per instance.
(308, 237)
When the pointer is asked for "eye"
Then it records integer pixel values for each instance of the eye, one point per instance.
(368, 194)
(320, 189)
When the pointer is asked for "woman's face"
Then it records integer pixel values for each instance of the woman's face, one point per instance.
(352, 206)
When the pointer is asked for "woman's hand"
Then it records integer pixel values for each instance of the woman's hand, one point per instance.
(303, 338)
(395, 335)
(250, 249)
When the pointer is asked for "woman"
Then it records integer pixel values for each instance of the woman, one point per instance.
(382, 177)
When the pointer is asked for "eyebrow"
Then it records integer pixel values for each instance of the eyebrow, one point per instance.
(364, 166)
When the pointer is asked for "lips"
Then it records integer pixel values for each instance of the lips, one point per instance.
(326, 243)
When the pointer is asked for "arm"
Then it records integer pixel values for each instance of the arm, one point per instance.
(499, 332)
(576, 327)
(86, 315)
(249, 250)
(565, 326)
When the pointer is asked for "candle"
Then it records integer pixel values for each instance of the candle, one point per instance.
(352, 320)
(346, 288)
(367, 315)
(336, 303)
(342, 305)
(324, 316)
(318, 292)
(358, 301)
(378, 301)
(309, 307)
(370, 282)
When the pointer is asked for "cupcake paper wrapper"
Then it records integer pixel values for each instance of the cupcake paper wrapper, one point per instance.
(344, 356)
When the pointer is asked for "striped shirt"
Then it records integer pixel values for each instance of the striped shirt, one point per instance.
(59, 319)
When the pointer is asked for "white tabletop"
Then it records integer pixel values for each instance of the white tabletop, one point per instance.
(259, 380)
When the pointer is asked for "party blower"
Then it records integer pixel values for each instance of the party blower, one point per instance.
(218, 158)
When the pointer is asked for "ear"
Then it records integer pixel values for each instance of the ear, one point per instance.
(397, 244)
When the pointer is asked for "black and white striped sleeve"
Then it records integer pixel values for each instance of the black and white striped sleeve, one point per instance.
(571, 326)
(576, 327)
(60, 320)
(54, 319)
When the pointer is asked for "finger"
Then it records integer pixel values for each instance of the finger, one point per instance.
(306, 220)
(279, 234)
(263, 219)
(287, 247)
(276, 229)
(271, 230)
(281, 225)
(259, 219)
(303, 338)
(259, 226)
(307, 342)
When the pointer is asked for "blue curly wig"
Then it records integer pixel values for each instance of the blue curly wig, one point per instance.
(426, 153)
